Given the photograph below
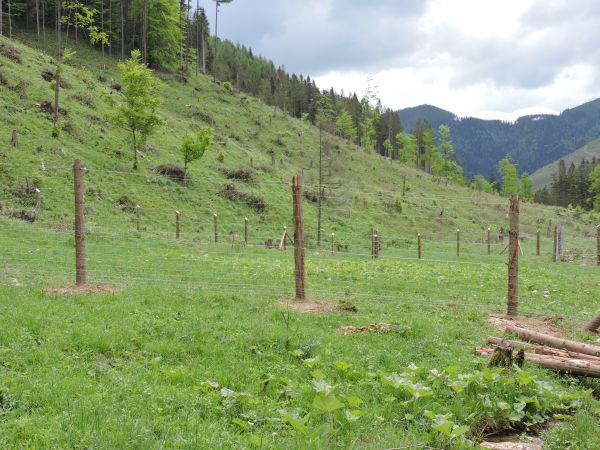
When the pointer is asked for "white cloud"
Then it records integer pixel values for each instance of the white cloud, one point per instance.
(484, 58)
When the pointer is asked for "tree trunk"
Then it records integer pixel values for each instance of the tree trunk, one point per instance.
(1, 19)
(43, 20)
(58, 62)
(135, 157)
(37, 16)
(122, 31)
(553, 341)
(9, 21)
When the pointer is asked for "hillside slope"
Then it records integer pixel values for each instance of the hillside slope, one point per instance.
(543, 176)
(364, 190)
(532, 141)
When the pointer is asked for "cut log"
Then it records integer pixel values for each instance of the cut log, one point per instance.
(564, 365)
(542, 349)
(553, 341)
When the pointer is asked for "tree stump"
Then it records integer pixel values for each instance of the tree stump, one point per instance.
(502, 357)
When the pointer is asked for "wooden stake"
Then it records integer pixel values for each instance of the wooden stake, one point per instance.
(598, 245)
(513, 257)
(555, 248)
(489, 241)
(177, 214)
(216, 227)
(419, 244)
(138, 218)
(80, 266)
(457, 242)
(38, 201)
(332, 244)
(284, 238)
(245, 232)
(298, 238)
(559, 243)
(537, 243)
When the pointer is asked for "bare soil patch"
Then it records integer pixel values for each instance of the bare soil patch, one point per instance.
(85, 289)
(513, 442)
(317, 306)
(547, 325)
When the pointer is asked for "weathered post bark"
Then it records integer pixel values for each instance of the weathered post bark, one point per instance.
(332, 244)
(245, 232)
(419, 244)
(537, 243)
(489, 241)
(298, 238)
(598, 245)
(138, 218)
(79, 224)
(177, 229)
(554, 248)
(457, 242)
(513, 258)
(559, 243)
(216, 227)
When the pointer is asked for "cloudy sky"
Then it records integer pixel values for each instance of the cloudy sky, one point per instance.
(484, 58)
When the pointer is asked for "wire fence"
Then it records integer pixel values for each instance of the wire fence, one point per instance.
(209, 246)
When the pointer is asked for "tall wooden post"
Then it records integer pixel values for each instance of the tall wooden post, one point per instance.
(419, 244)
(537, 243)
(513, 257)
(457, 242)
(559, 243)
(245, 232)
(216, 227)
(79, 224)
(555, 248)
(284, 238)
(598, 245)
(138, 218)
(332, 244)
(298, 238)
(489, 241)
(177, 214)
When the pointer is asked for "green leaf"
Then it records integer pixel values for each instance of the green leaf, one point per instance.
(459, 431)
(326, 403)
(341, 365)
(443, 427)
(297, 423)
(352, 400)
(353, 415)
(318, 374)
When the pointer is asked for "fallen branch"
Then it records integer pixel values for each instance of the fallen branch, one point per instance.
(564, 365)
(542, 349)
(565, 344)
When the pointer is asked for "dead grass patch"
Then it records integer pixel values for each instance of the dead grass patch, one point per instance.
(85, 289)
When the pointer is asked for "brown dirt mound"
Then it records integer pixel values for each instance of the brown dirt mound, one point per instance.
(317, 306)
(85, 289)
(546, 325)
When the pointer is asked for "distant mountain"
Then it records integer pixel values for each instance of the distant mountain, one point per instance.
(543, 176)
(532, 141)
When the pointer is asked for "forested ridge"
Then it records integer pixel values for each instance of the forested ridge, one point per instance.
(531, 141)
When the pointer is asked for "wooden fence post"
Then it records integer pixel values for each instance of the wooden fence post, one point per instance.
(419, 244)
(298, 238)
(38, 201)
(513, 257)
(245, 232)
(598, 245)
(332, 244)
(284, 238)
(216, 227)
(177, 214)
(537, 243)
(375, 245)
(554, 248)
(489, 241)
(138, 218)
(457, 242)
(559, 243)
(80, 266)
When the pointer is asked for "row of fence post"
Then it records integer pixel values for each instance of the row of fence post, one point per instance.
(298, 241)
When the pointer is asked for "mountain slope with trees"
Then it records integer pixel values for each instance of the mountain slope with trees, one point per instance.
(531, 141)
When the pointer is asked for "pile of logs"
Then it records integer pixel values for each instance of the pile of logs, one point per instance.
(562, 355)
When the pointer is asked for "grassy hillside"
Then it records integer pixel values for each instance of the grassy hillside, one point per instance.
(543, 177)
(189, 343)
